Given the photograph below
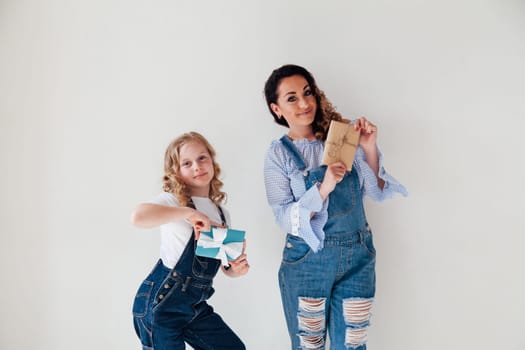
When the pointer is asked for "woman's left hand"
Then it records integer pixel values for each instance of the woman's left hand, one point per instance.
(368, 130)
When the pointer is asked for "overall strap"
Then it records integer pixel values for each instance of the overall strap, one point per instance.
(221, 213)
(194, 267)
(223, 218)
(296, 156)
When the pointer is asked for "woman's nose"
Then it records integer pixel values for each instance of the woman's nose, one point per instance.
(303, 103)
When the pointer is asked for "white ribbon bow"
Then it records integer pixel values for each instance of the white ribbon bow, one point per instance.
(233, 249)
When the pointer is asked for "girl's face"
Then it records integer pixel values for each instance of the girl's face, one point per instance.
(296, 102)
(196, 168)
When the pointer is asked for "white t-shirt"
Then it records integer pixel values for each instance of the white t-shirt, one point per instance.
(175, 235)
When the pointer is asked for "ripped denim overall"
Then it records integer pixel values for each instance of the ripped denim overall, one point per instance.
(170, 306)
(332, 289)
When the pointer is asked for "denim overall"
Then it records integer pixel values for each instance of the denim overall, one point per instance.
(170, 307)
(333, 288)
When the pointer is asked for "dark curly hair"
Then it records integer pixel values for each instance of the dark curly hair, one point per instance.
(325, 110)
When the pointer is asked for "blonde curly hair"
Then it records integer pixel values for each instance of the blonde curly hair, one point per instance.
(325, 110)
(172, 180)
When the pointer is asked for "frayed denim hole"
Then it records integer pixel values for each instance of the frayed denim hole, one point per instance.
(312, 342)
(357, 313)
(355, 337)
(312, 322)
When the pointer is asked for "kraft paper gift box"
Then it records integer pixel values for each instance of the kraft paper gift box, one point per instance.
(341, 144)
(220, 243)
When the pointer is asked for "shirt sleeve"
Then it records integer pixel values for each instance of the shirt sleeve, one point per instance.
(368, 180)
(165, 198)
(292, 212)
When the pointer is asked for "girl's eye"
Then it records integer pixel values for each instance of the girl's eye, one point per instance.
(203, 158)
(292, 99)
(308, 93)
(185, 164)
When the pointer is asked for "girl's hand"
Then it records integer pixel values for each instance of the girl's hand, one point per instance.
(200, 222)
(334, 174)
(368, 130)
(239, 266)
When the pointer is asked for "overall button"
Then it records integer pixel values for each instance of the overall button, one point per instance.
(166, 286)
(161, 297)
(305, 174)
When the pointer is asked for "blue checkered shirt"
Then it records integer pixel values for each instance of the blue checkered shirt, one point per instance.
(292, 204)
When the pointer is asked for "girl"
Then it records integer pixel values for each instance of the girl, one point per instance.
(170, 307)
(327, 274)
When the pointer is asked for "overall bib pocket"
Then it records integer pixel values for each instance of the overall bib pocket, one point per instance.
(203, 267)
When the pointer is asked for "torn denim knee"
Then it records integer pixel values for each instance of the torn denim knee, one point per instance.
(312, 323)
(357, 312)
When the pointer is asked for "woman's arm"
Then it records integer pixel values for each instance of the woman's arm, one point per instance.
(372, 159)
(374, 180)
(368, 142)
(293, 215)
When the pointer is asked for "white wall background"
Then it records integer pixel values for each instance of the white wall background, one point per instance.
(93, 91)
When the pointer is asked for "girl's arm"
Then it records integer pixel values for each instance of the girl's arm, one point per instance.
(148, 215)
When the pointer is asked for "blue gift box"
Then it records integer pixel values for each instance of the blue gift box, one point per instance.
(220, 243)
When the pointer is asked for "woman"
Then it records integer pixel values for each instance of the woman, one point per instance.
(327, 274)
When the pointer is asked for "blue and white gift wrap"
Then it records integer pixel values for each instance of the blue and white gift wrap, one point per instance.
(220, 243)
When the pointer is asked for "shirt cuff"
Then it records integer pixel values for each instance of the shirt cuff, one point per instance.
(369, 180)
(303, 225)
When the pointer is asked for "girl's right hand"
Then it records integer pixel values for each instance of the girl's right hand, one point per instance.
(334, 174)
(200, 222)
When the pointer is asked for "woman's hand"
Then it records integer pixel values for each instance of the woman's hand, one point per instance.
(239, 266)
(334, 174)
(368, 130)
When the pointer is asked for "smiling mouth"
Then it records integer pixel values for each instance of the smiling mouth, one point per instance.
(306, 112)
(200, 175)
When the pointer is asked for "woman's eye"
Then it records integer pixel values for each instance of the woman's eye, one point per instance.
(291, 99)
(308, 93)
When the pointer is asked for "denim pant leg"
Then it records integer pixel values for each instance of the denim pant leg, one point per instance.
(352, 296)
(305, 280)
(184, 316)
(209, 331)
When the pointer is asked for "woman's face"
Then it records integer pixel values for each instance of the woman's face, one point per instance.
(296, 102)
